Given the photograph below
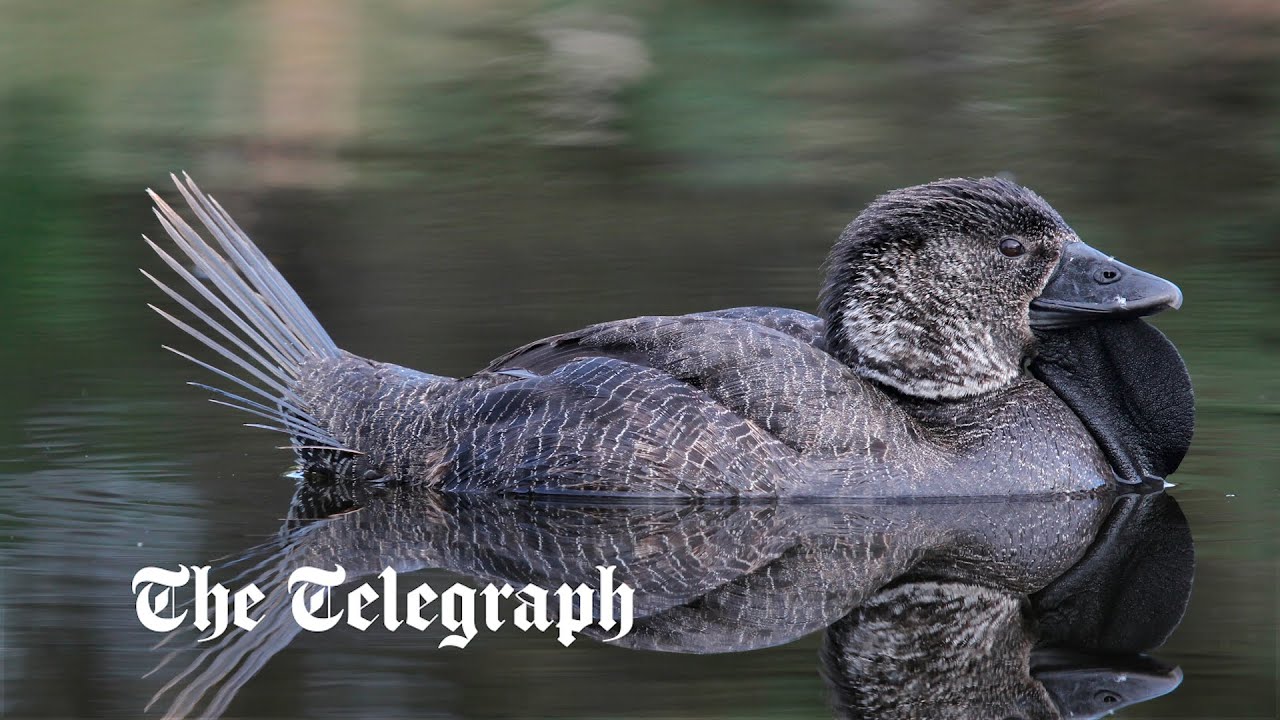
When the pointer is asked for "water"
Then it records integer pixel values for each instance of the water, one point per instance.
(445, 184)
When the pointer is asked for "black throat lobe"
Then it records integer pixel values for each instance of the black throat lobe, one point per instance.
(1129, 386)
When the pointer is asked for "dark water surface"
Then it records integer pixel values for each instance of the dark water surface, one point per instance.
(442, 185)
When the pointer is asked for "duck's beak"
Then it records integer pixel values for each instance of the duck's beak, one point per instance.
(1085, 685)
(1089, 286)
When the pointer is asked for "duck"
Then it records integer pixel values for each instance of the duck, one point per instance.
(916, 377)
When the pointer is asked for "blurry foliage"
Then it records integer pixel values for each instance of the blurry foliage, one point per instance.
(1109, 100)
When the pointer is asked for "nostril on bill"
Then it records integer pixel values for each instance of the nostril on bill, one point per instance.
(1107, 275)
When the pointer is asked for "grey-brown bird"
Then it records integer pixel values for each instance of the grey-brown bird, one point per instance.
(917, 377)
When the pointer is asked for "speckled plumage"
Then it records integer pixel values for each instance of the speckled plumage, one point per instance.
(922, 303)
(936, 650)
(911, 383)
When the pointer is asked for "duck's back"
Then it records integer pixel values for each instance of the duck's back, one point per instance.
(727, 403)
(766, 365)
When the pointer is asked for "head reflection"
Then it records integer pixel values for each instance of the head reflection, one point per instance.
(1029, 607)
(935, 648)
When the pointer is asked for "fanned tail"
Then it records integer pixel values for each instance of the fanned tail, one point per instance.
(259, 324)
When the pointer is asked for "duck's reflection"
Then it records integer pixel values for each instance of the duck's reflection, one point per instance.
(970, 646)
(1019, 608)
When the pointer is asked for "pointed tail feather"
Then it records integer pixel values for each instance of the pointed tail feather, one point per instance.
(260, 325)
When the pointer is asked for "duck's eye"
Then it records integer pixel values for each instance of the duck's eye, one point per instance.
(1011, 247)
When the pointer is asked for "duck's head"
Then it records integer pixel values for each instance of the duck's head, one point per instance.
(934, 290)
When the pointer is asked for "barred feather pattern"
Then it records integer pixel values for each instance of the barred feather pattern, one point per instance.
(746, 402)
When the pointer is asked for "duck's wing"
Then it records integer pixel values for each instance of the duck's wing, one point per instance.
(549, 353)
(765, 365)
(605, 426)
(803, 326)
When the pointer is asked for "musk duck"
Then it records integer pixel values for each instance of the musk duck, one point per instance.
(967, 343)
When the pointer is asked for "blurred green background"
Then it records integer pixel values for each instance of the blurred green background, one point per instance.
(444, 180)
